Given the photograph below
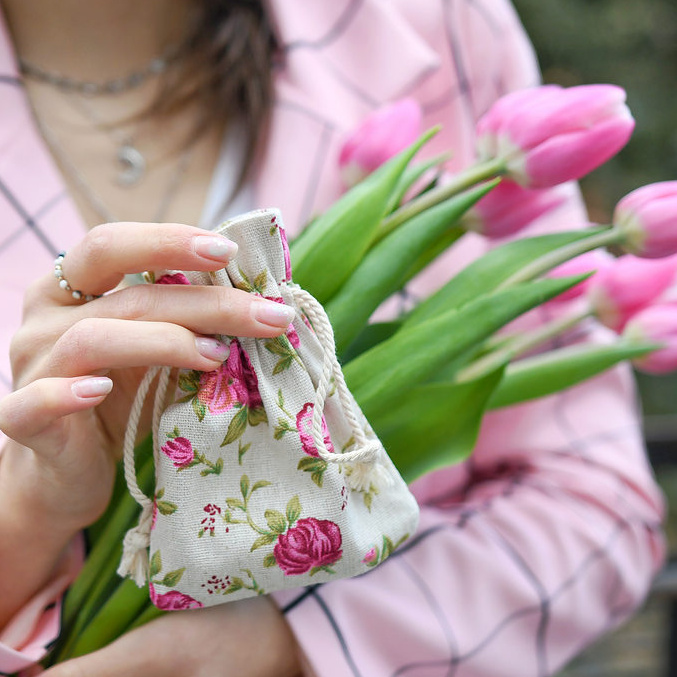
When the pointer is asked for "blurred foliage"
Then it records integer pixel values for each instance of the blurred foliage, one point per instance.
(630, 43)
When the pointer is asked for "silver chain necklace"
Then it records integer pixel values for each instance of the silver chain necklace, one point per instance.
(93, 199)
(156, 66)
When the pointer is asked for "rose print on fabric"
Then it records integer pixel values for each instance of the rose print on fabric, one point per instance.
(304, 425)
(234, 385)
(227, 585)
(291, 333)
(312, 545)
(163, 507)
(173, 278)
(172, 600)
(180, 451)
(375, 555)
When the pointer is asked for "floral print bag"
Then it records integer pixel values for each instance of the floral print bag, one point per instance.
(268, 476)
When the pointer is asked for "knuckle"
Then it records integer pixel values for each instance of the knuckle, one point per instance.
(97, 242)
(134, 303)
(80, 339)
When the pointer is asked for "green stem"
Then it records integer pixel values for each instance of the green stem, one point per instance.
(543, 264)
(472, 176)
(518, 345)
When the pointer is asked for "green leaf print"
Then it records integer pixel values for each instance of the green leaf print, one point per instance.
(172, 578)
(236, 428)
(155, 564)
(293, 510)
(277, 522)
(261, 541)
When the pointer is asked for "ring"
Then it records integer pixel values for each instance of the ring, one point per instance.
(65, 285)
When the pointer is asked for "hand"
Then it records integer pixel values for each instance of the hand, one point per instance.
(56, 476)
(249, 638)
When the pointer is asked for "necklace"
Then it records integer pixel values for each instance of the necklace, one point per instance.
(93, 199)
(130, 160)
(156, 66)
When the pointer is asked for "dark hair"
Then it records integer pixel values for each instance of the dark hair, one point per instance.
(226, 65)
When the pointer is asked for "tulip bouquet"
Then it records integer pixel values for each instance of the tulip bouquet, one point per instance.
(425, 379)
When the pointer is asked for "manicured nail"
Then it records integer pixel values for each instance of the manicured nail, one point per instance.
(212, 349)
(92, 387)
(272, 313)
(214, 247)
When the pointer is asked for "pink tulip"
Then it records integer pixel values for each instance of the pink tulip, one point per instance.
(548, 135)
(648, 216)
(382, 135)
(621, 290)
(657, 324)
(508, 208)
(590, 262)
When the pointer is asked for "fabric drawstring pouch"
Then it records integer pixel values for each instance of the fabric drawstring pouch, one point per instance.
(268, 476)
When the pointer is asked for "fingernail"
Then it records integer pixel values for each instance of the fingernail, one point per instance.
(92, 387)
(212, 349)
(272, 313)
(214, 247)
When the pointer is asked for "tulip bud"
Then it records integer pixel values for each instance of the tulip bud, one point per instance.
(382, 135)
(508, 208)
(648, 218)
(549, 135)
(590, 262)
(656, 324)
(621, 290)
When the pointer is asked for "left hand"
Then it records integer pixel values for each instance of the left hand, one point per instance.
(249, 638)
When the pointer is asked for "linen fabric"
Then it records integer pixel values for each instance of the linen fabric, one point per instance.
(248, 499)
(550, 534)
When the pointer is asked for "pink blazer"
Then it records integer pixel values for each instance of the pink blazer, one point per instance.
(550, 534)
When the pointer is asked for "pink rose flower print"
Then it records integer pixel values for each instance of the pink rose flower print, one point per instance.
(173, 278)
(285, 250)
(179, 451)
(370, 556)
(311, 544)
(242, 377)
(304, 424)
(291, 334)
(172, 600)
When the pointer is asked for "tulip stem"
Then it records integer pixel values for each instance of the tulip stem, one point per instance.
(604, 238)
(519, 344)
(460, 182)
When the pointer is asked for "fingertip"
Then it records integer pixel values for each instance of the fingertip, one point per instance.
(91, 387)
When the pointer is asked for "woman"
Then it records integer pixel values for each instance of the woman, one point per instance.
(548, 537)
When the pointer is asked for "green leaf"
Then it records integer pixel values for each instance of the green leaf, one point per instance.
(172, 578)
(263, 540)
(371, 335)
(155, 566)
(380, 377)
(279, 345)
(218, 466)
(318, 477)
(235, 585)
(160, 493)
(242, 449)
(293, 510)
(166, 508)
(348, 226)
(257, 415)
(280, 399)
(199, 409)
(282, 365)
(556, 370)
(383, 269)
(236, 427)
(412, 174)
(188, 382)
(276, 521)
(269, 560)
(235, 503)
(259, 485)
(280, 429)
(434, 425)
(486, 273)
(244, 486)
(310, 463)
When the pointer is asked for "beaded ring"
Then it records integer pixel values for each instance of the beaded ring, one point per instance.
(65, 285)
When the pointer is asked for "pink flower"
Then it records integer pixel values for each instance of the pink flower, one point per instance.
(304, 424)
(509, 207)
(370, 556)
(382, 135)
(172, 600)
(548, 135)
(291, 333)
(656, 324)
(630, 284)
(234, 381)
(648, 217)
(179, 451)
(590, 262)
(285, 251)
(173, 278)
(311, 543)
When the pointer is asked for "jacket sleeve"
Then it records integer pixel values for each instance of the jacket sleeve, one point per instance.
(546, 538)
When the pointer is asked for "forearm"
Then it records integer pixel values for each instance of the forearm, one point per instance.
(33, 541)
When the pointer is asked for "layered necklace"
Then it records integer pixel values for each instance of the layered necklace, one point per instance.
(131, 165)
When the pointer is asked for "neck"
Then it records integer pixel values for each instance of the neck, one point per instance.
(95, 39)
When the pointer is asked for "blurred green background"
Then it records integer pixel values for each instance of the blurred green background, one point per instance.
(631, 43)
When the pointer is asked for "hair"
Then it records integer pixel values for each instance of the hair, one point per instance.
(226, 65)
